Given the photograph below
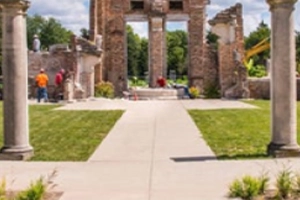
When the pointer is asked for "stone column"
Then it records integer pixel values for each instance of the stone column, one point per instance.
(93, 20)
(14, 47)
(157, 48)
(283, 80)
(196, 28)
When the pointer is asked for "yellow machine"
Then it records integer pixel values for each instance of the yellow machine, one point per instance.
(260, 47)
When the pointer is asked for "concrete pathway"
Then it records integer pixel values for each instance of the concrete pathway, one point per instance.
(154, 152)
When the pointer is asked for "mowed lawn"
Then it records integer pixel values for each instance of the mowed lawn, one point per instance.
(237, 133)
(66, 135)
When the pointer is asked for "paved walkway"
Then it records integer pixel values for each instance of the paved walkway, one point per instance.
(154, 152)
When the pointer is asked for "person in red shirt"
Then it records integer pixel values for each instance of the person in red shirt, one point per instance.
(161, 82)
(59, 79)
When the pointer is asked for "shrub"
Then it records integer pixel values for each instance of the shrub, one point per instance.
(135, 82)
(194, 92)
(287, 187)
(296, 187)
(183, 80)
(104, 89)
(284, 184)
(212, 91)
(248, 187)
(36, 191)
(256, 70)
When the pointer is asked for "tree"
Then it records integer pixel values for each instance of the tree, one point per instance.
(133, 50)
(177, 42)
(84, 33)
(298, 50)
(50, 31)
(262, 32)
(212, 39)
(143, 57)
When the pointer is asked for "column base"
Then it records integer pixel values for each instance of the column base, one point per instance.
(7, 153)
(283, 151)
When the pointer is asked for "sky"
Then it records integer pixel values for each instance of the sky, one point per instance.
(74, 14)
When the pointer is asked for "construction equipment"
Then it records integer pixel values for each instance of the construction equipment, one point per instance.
(260, 47)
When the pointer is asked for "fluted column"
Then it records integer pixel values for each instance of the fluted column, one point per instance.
(14, 65)
(283, 80)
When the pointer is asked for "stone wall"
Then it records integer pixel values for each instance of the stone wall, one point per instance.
(211, 68)
(78, 63)
(260, 88)
(228, 25)
(52, 63)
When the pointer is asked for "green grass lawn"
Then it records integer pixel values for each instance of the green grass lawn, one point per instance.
(66, 135)
(237, 133)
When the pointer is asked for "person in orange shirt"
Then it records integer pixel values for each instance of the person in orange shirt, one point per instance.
(42, 82)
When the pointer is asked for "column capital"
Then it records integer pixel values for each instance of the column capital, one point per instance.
(281, 3)
(21, 4)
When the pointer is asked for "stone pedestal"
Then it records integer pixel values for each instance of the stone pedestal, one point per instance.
(14, 63)
(68, 91)
(157, 49)
(283, 80)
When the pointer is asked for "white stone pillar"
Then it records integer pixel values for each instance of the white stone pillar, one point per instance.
(14, 64)
(283, 80)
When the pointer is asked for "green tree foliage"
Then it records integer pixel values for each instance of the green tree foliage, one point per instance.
(262, 32)
(177, 42)
(137, 50)
(50, 31)
(298, 48)
(133, 50)
(84, 33)
(143, 57)
(212, 38)
(298, 51)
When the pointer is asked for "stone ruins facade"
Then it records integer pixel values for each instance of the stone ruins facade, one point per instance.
(228, 25)
(108, 18)
(207, 68)
(80, 63)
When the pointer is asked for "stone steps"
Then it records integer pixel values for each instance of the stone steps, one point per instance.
(156, 94)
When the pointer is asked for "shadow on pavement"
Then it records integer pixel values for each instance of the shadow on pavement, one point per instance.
(193, 159)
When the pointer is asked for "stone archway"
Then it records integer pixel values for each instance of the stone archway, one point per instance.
(108, 18)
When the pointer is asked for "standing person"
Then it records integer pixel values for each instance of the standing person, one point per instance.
(59, 80)
(42, 82)
(36, 45)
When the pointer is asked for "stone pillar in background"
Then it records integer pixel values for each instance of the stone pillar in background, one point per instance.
(114, 39)
(157, 49)
(93, 20)
(14, 44)
(196, 29)
(283, 80)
